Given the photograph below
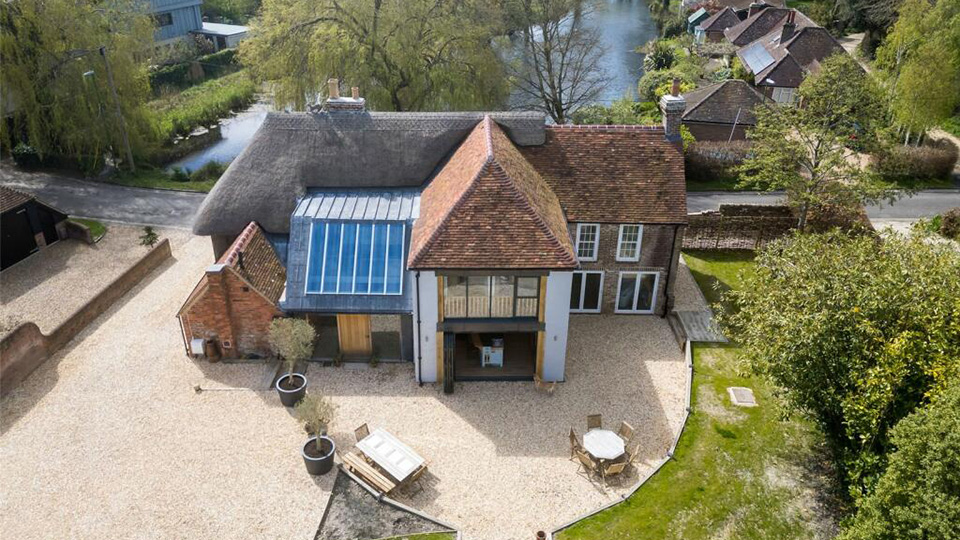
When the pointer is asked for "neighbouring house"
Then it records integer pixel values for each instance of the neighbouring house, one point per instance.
(28, 225)
(781, 59)
(761, 21)
(711, 29)
(721, 111)
(223, 36)
(695, 18)
(175, 19)
(462, 242)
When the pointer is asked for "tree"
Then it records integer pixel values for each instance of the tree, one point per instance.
(557, 70)
(54, 80)
(857, 331)
(292, 340)
(921, 61)
(918, 496)
(624, 111)
(405, 55)
(803, 150)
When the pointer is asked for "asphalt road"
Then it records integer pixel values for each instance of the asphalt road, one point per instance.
(82, 198)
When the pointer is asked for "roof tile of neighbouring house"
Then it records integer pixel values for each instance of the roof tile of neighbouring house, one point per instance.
(723, 103)
(745, 4)
(489, 208)
(252, 256)
(721, 20)
(613, 174)
(802, 53)
(763, 23)
(12, 198)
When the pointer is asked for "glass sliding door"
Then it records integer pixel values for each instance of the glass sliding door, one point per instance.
(637, 292)
(586, 292)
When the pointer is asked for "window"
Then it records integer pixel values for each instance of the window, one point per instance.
(628, 243)
(587, 241)
(637, 292)
(586, 292)
(480, 297)
(163, 19)
(784, 96)
(355, 258)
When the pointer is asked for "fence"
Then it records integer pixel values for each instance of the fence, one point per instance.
(25, 348)
(738, 227)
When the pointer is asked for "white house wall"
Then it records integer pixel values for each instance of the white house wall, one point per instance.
(556, 324)
(425, 346)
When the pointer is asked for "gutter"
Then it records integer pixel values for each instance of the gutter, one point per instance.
(419, 338)
(675, 255)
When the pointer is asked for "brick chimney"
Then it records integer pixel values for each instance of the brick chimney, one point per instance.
(789, 27)
(672, 106)
(755, 7)
(335, 103)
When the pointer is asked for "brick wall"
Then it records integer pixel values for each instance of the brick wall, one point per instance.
(230, 312)
(657, 248)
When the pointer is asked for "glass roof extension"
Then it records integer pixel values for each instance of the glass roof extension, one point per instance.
(356, 258)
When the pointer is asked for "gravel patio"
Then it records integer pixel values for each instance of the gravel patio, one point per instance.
(109, 438)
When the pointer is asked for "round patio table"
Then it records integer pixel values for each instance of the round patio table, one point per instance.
(603, 444)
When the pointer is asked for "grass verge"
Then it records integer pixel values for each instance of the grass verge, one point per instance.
(737, 473)
(158, 179)
(203, 104)
(721, 184)
(97, 229)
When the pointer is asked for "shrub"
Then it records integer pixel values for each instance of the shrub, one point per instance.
(185, 74)
(715, 161)
(203, 104)
(659, 56)
(932, 160)
(950, 224)
(739, 71)
(25, 155)
(620, 112)
(672, 27)
(292, 340)
(180, 175)
(315, 412)
(211, 170)
(149, 238)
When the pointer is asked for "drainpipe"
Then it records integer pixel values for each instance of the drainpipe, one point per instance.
(419, 339)
(673, 255)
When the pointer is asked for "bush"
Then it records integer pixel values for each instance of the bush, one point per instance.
(180, 175)
(621, 112)
(203, 104)
(186, 74)
(673, 27)
(211, 170)
(149, 238)
(659, 56)
(950, 224)
(715, 161)
(918, 495)
(25, 155)
(932, 160)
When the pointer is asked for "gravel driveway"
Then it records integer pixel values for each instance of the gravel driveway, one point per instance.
(109, 438)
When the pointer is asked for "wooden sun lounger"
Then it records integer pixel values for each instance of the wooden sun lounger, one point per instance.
(364, 470)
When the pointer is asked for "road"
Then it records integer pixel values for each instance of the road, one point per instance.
(110, 202)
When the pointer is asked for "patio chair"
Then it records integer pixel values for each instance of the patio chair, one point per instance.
(625, 432)
(575, 445)
(614, 469)
(589, 466)
(594, 421)
(415, 479)
(361, 432)
(632, 453)
(547, 387)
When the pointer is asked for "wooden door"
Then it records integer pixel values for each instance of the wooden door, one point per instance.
(354, 334)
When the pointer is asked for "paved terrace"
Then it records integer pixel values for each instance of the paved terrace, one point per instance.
(109, 438)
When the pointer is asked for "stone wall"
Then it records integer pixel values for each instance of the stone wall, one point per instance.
(738, 227)
(25, 348)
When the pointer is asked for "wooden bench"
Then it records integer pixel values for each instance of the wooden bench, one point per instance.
(364, 470)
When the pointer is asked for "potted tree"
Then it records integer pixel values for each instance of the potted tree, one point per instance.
(292, 341)
(315, 413)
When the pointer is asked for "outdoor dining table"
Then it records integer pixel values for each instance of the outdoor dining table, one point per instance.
(394, 457)
(603, 444)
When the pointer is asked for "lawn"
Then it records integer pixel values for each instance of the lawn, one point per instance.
(97, 229)
(737, 473)
(157, 179)
(203, 104)
(719, 184)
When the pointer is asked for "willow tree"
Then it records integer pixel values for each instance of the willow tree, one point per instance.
(405, 55)
(54, 81)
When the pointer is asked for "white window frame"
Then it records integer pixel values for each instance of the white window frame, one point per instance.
(583, 291)
(636, 256)
(636, 292)
(596, 241)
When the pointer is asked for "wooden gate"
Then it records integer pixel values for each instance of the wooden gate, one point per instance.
(353, 331)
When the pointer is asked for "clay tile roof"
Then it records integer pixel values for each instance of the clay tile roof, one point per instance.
(721, 20)
(613, 174)
(11, 198)
(255, 260)
(763, 23)
(794, 58)
(718, 103)
(489, 208)
(745, 4)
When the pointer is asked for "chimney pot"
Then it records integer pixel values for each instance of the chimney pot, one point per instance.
(355, 91)
(334, 88)
(673, 106)
(675, 89)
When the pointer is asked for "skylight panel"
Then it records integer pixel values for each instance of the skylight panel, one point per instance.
(355, 258)
(757, 58)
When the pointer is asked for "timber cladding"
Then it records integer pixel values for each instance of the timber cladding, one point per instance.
(25, 348)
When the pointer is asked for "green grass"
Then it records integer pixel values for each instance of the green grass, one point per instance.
(158, 179)
(721, 184)
(203, 104)
(97, 229)
(952, 125)
(735, 472)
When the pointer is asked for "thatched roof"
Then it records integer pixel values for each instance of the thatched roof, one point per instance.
(295, 151)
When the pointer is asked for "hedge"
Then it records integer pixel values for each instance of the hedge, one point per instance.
(932, 160)
(187, 74)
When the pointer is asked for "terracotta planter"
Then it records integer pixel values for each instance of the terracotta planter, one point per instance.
(291, 395)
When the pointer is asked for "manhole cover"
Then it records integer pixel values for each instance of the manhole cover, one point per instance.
(742, 397)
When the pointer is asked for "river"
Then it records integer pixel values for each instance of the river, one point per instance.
(624, 25)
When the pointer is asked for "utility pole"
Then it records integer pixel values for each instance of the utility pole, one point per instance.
(119, 112)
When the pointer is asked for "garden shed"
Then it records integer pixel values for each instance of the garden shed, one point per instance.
(28, 225)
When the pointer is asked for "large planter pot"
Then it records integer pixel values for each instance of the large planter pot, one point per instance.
(318, 456)
(291, 387)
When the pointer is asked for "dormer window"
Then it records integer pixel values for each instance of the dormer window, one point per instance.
(588, 241)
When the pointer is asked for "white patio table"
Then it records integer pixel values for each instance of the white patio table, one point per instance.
(394, 457)
(603, 444)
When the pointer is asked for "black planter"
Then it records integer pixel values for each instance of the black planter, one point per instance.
(290, 398)
(323, 464)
